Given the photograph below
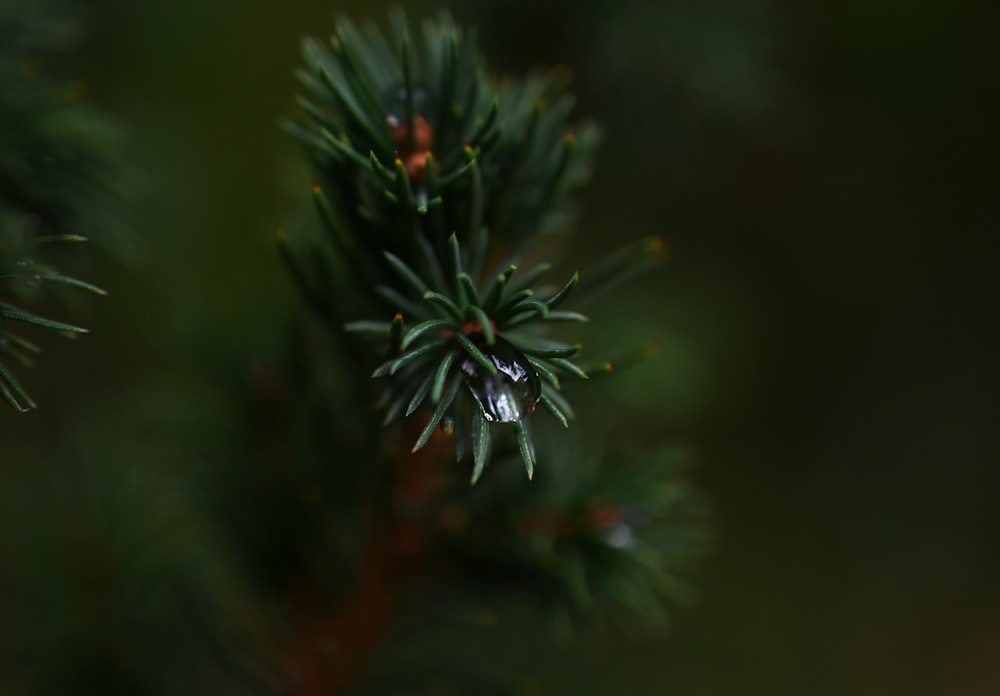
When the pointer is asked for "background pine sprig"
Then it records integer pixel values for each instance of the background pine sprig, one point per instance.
(56, 161)
(603, 533)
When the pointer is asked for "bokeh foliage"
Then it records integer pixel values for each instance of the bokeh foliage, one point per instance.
(824, 335)
(56, 182)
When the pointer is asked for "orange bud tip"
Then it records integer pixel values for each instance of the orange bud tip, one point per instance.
(279, 234)
(399, 316)
(656, 244)
(316, 188)
(570, 138)
(609, 367)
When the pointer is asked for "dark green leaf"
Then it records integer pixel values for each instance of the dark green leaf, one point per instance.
(525, 447)
(406, 274)
(484, 323)
(445, 303)
(372, 329)
(495, 292)
(9, 312)
(420, 394)
(553, 408)
(13, 393)
(568, 366)
(561, 296)
(423, 328)
(480, 443)
(441, 375)
(529, 279)
(544, 372)
(467, 284)
(539, 350)
(556, 397)
(475, 353)
(438, 413)
(393, 366)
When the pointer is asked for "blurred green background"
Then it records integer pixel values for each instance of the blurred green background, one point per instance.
(819, 173)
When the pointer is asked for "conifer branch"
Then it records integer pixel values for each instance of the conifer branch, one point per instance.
(55, 153)
(476, 170)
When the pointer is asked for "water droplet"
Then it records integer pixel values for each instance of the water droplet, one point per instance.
(513, 392)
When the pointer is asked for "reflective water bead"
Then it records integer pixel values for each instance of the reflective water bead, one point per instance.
(510, 394)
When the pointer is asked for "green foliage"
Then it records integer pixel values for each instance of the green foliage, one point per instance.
(472, 340)
(54, 158)
(605, 533)
(431, 179)
(299, 479)
(432, 182)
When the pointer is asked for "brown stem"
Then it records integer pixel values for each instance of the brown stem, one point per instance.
(333, 645)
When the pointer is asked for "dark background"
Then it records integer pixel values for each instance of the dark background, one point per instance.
(822, 176)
